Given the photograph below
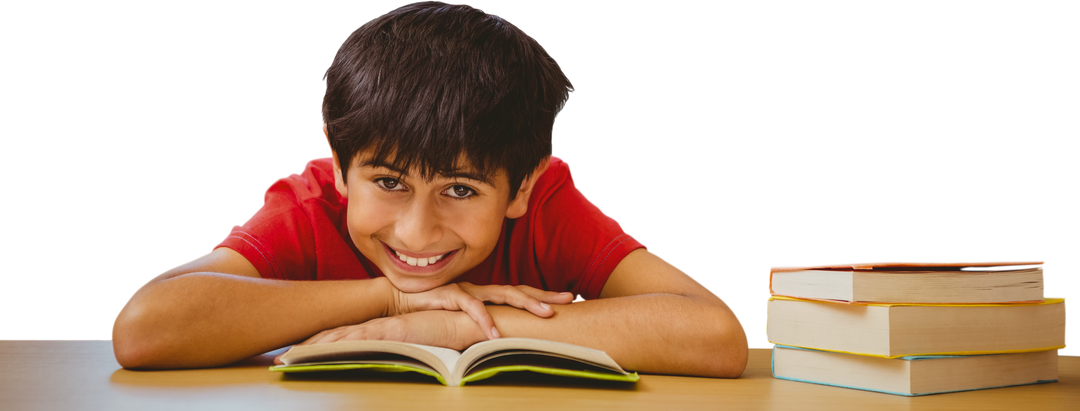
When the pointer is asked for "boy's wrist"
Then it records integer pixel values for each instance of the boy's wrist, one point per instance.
(389, 295)
(471, 332)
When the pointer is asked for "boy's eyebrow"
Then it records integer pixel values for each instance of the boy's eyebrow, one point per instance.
(454, 174)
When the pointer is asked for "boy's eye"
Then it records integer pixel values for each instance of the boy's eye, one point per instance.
(460, 191)
(389, 184)
(456, 191)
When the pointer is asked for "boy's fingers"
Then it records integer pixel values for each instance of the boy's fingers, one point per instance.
(478, 312)
(315, 338)
(550, 297)
(512, 296)
(540, 300)
(331, 336)
(556, 298)
(450, 297)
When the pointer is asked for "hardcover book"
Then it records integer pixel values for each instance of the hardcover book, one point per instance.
(934, 283)
(914, 375)
(897, 330)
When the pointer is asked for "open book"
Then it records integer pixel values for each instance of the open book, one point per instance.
(452, 368)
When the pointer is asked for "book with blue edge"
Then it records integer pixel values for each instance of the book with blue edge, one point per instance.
(914, 375)
(916, 346)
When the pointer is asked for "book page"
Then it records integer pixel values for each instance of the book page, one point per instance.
(442, 360)
(378, 359)
(534, 358)
(820, 284)
(446, 355)
(949, 286)
(507, 346)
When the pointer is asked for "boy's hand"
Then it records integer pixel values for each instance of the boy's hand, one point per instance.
(469, 298)
(451, 329)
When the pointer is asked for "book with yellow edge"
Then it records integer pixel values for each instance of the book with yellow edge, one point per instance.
(897, 330)
(452, 368)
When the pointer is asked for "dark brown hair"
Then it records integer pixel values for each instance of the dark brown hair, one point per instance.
(432, 85)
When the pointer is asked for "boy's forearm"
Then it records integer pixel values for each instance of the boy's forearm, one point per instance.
(652, 333)
(208, 319)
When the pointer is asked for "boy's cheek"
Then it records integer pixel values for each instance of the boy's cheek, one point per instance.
(365, 221)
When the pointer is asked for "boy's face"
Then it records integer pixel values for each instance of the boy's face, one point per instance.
(423, 234)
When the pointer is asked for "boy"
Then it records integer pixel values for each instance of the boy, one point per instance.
(441, 195)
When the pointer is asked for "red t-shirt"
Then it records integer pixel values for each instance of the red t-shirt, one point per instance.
(562, 243)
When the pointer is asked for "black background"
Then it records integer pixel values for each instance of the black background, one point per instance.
(726, 139)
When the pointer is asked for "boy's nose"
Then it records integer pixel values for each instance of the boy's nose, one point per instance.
(418, 227)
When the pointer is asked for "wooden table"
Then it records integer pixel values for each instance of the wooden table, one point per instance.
(77, 375)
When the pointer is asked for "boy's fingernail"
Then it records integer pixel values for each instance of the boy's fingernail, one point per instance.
(495, 333)
(545, 306)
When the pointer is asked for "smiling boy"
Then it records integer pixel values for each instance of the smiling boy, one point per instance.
(441, 195)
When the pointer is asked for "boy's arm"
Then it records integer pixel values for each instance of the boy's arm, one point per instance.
(650, 318)
(217, 310)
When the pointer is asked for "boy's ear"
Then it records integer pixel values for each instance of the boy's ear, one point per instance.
(520, 204)
(338, 182)
(326, 139)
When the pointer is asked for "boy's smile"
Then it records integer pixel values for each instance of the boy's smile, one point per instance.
(419, 265)
(424, 233)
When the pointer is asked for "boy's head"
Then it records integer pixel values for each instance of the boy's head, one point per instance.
(440, 120)
(439, 87)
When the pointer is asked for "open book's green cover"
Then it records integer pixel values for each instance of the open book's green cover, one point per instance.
(476, 376)
(343, 367)
(489, 372)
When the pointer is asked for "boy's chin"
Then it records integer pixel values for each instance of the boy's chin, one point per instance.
(415, 285)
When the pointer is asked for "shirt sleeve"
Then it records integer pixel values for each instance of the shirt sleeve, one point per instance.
(276, 240)
(577, 246)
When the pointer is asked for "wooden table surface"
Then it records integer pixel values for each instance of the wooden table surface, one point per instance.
(76, 375)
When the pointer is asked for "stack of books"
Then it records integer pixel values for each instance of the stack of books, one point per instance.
(915, 328)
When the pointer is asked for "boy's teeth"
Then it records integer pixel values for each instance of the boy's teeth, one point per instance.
(423, 262)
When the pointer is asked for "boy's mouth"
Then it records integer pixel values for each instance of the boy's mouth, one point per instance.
(419, 264)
